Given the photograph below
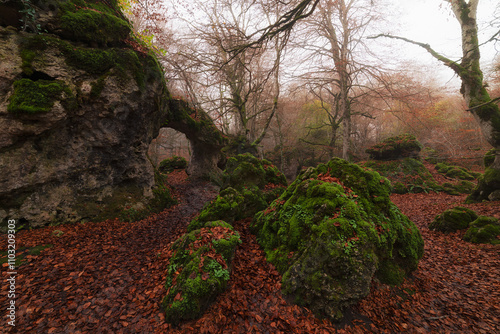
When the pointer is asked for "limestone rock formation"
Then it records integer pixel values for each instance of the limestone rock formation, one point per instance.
(78, 109)
(331, 232)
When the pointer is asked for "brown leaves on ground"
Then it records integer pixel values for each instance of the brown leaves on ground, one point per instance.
(109, 278)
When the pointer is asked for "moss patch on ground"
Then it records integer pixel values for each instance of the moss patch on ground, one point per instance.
(198, 270)
(331, 232)
(21, 254)
(171, 164)
(457, 218)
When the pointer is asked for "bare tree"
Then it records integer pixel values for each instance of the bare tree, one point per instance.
(335, 39)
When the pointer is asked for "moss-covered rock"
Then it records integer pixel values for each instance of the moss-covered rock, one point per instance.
(198, 270)
(171, 164)
(489, 158)
(484, 230)
(249, 185)
(457, 218)
(331, 232)
(93, 22)
(487, 187)
(405, 145)
(456, 172)
(32, 97)
(407, 175)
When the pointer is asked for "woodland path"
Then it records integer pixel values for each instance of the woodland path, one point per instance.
(108, 278)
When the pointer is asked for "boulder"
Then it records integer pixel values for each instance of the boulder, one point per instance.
(248, 186)
(457, 218)
(402, 146)
(198, 270)
(332, 232)
(484, 230)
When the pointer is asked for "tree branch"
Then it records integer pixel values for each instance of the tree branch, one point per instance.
(448, 62)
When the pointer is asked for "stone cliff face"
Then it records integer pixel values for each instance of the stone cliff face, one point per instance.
(78, 109)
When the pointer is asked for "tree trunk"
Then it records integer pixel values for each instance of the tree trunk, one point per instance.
(475, 94)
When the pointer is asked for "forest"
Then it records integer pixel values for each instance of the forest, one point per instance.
(249, 166)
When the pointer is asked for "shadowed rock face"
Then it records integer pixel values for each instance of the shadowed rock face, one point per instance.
(76, 120)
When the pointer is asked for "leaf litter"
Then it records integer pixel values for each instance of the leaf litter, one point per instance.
(109, 277)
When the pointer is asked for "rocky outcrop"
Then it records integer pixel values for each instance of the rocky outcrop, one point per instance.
(331, 232)
(402, 146)
(78, 109)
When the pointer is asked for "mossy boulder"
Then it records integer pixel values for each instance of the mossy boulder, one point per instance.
(171, 164)
(484, 230)
(487, 188)
(198, 270)
(407, 175)
(331, 232)
(249, 185)
(457, 218)
(489, 158)
(462, 187)
(405, 145)
(456, 172)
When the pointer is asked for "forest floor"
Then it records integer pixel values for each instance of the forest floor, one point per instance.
(109, 277)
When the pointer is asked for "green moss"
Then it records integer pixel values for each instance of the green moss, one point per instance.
(405, 145)
(456, 172)
(249, 185)
(198, 270)
(331, 228)
(27, 56)
(227, 206)
(170, 164)
(484, 230)
(33, 97)
(390, 273)
(98, 86)
(457, 218)
(407, 175)
(93, 22)
(21, 254)
(489, 158)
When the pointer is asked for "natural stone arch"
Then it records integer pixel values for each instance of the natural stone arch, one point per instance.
(167, 144)
(206, 140)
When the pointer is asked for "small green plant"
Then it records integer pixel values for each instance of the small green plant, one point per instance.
(57, 233)
(29, 17)
(215, 268)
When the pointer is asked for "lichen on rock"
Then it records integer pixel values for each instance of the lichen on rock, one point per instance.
(331, 232)
(198, 270)
(457, 218)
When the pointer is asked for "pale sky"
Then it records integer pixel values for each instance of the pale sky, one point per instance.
(431, 22)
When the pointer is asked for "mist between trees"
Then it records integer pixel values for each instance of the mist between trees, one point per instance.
(319, 90)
